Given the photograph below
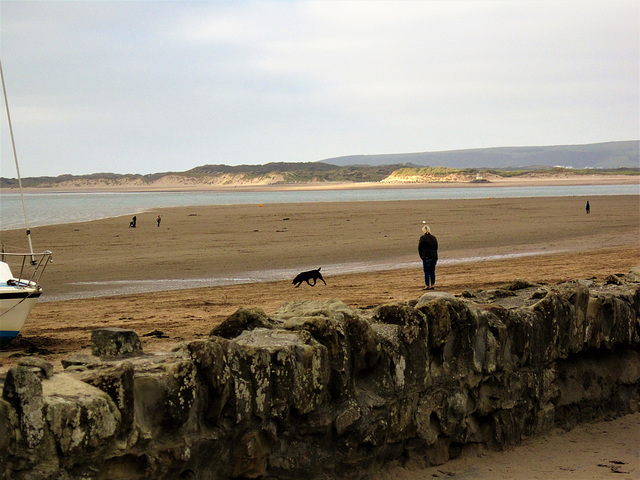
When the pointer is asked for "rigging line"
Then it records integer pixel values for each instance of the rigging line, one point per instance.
(15, 158)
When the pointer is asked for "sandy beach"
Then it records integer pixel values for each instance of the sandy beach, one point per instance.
(360, 247)
(367, 251)
(591, 451)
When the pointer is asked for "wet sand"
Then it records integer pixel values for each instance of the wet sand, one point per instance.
(359, 246)
(367, 251)
(246, 243)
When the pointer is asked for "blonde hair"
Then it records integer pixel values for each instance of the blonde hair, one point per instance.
(426, 229)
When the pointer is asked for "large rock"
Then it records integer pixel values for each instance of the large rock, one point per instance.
(243, 319)
(404, 333)
(634, 275)
(23, 391)
(7, 436)
(80, 416)
(351, 343)
(210, 358)
(39, 366)
(278, 371)
(165, 394)
(117, 381)
(115, 342)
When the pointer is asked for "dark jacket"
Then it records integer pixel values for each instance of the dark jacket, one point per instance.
(428, 247)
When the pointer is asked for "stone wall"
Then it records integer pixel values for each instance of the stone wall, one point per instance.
(320, 390)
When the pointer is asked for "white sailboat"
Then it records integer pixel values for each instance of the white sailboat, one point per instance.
(18, 294)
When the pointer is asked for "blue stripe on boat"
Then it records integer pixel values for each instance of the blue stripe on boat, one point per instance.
(7, 336)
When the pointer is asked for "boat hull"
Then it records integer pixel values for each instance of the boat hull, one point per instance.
(15, 305)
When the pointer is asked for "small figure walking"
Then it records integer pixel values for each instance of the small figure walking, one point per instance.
(428, 251)
(132, 223)
(159, 219)
(588, 208)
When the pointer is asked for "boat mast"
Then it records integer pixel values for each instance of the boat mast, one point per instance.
(15, 158)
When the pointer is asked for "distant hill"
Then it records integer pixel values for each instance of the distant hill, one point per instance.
(217, 175)
(456, 166)
(596, 155)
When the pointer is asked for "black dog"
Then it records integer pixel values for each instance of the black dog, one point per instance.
(306, 276)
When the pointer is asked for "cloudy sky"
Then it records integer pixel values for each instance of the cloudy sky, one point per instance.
(154, 86)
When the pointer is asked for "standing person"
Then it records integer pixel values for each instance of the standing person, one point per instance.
(428, 251)
(588, 207)
(132, 223)
(159, 219)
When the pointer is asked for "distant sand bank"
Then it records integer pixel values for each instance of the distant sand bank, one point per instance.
(493, 181)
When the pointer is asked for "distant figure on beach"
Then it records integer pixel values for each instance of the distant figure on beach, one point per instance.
(428, 251)
(588, 207)
(132, 223)
(159, 219)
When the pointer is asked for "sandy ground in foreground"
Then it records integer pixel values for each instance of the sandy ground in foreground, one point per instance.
(591, 451)
(370, 237)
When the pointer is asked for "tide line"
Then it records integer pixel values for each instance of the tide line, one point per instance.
(97, 289)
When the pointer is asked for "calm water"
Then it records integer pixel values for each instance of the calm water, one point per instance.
(55, 208)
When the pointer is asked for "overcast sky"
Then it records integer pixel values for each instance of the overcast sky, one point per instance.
(155, 86)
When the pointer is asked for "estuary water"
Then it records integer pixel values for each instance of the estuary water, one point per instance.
(55, 208)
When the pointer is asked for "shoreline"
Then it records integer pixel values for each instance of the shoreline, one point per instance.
(82, 205)
(62, 327)
(126, 287)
